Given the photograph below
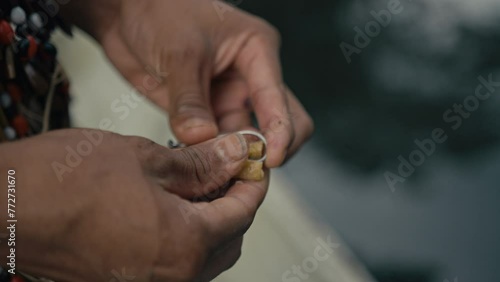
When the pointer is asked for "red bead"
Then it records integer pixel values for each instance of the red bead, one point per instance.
(15, 92)
(33, 48)
(17, 278)
(6, 33)
(21, 125)
(64, 88)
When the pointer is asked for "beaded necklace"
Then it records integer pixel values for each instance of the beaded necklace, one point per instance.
(34, 91)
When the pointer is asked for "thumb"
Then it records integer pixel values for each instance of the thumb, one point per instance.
(200, 170)
(191, 117)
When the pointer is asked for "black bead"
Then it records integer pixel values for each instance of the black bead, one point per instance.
(22, 30)
(50, 49)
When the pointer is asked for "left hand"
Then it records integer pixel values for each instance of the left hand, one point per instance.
(95, 205)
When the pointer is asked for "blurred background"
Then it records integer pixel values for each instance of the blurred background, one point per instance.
(373, 89)
(442, 223)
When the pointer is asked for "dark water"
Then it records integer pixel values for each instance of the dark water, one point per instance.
(419, 72)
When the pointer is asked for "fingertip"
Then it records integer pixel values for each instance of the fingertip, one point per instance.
(276, 155)
(195, 130)
(232, 148)
(275, 159)
(277, 147)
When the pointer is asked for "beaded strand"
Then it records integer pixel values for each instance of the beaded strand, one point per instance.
(34, 91)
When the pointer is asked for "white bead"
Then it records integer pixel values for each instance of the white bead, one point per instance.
(5, 100)
(10, 133)
(18, 15)
(36, 20)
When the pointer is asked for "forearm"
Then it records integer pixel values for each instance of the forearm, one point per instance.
(16, 201)
(29, 198)
(8, 193)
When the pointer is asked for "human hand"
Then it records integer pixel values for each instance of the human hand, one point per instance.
(208, 72)
(115, 210)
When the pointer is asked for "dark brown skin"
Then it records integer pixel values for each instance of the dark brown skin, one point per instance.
(128, 205)
(119, 210)
(212, 60)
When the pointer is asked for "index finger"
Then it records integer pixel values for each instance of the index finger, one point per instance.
(259, 64)
(231, 216)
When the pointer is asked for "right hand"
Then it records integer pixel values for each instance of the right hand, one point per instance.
(126, 208)
(207, 63)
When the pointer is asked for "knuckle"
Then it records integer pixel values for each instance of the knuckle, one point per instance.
(186, 52)
(273, 33)
(193, 163)
(274, 89)
(267, 32)
(189, 100)
(282, 123)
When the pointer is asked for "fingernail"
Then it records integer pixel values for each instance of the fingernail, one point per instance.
(196, 122)
(232, 147)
